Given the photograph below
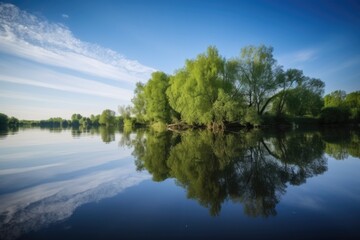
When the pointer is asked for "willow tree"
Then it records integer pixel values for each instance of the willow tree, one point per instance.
(259, 76)
(195, 88)
(288, 80)
(305, 99)
(107, 118)
(157, 106)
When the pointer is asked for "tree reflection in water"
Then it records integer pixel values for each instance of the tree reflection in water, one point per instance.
(249, 168)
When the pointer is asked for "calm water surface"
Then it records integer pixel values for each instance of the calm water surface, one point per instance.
(103, 184)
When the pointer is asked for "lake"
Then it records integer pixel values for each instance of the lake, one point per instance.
(106, 184)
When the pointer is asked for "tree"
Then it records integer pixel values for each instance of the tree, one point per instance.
(352, 101)
(107, 118)
(76, 116)
(304, 98)
(125, 112)
(301, 101)
(335, 99)
(3, 121)
(75, 120)
(95, 120)
(227, 109)
(13, 122)
(139, 106)
(259, 76)
(194, 89)
(157, 105)
(85, 122)
(287, 80)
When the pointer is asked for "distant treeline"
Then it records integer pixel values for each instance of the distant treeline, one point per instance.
(106, 118)
(214, 92)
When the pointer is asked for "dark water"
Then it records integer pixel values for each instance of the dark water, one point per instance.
(103, 184)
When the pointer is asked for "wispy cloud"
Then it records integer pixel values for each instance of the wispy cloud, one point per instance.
(298, 57)
(304, 55)
(44, 78)
(26, 36)
(65, 16)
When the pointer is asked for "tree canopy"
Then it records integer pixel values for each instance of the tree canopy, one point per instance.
(213, 91)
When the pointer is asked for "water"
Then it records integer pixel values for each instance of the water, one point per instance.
(103, 184)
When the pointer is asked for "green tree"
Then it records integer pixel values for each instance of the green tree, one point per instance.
(139, 106)
(352, 101)
(75, 120)
(107, 118)
(3, 121)
(13, 122)
(306, 98)
(335, 99)
(76, 116)
(85, 122)
(287, 80)
(194, 89)
(157, 105)
(259, 76)
(95, 120)
(125, 111)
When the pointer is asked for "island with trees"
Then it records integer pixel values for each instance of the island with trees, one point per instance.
(251, 90)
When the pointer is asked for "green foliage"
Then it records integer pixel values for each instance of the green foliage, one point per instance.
(157, 106)
(194, 89)
(252, 117)
(3, 121)
(212, 91)
(74, 123)
(95, 120)
(13, 122)
(226, 108)
(52, 122)
(287, 80)
(259, 76)
(303, 101)
(352, 101)
(337, 103)
(159, 127)
(107, 118)
(139, 103)
(85, 122)
(76, 116)
(65, 123)
(128, 124)
(335, 99)
(125, 111)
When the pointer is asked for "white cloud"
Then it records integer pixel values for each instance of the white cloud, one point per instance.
(44, 78)
(65, 16)
(298, 57)
(304, 55)
(26, 36)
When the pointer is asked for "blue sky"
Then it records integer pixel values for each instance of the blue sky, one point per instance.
(61, 57)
